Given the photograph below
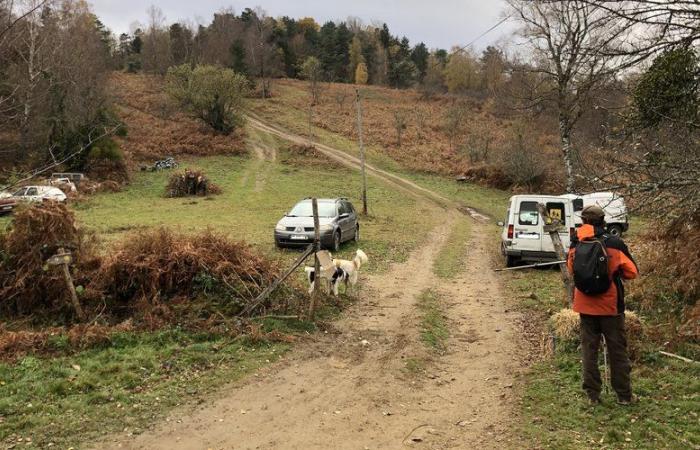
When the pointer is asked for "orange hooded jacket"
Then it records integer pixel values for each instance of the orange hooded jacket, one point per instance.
(620, 266)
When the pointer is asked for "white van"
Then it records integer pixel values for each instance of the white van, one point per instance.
(616, 217)
(523, 237)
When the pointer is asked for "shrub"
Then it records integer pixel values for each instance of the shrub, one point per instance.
(105, 161)
(212, 94)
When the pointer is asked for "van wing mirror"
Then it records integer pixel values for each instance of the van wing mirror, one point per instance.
(501, 224)
(578, 204)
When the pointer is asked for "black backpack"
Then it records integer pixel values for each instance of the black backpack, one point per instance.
(591, 266)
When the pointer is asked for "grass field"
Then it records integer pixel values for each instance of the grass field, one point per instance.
(555, 412)
(256, 194)
(119, 387)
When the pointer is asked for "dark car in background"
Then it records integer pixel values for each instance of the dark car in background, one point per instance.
(7, 203)
(337, 218)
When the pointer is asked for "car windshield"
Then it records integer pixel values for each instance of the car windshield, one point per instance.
(304, 209)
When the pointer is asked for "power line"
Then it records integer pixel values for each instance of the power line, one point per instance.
(500, 22)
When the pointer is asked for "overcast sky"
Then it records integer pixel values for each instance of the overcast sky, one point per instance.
(438, 23)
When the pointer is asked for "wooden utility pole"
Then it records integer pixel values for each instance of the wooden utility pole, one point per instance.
(362, 151)
(553, 227)
(317, 263)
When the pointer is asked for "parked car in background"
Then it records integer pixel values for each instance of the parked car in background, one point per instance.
(39, 193)
(337, 217)
(616, 217)
(73, 177)
(7, 203)
(523, 238)
(64, 184)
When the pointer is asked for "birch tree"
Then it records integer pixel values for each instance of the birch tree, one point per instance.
(572, 44)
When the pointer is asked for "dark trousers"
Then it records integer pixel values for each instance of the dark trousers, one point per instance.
(613, 328)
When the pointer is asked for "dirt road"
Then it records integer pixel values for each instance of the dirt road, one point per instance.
(357, 386)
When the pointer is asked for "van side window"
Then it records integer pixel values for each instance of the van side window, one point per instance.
(528, 214)
(32, 191)
(557, 211)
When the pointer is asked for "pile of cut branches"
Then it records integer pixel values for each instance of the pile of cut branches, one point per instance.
(27, 286)
(191, 183)
(156, 272)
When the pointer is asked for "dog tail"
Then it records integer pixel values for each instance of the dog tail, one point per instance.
(360, 259)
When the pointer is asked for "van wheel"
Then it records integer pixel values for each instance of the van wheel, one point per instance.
(356, 238)
(511, 261)
(615, 230)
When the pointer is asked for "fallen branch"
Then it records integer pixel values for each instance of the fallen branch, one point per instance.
(682, 358)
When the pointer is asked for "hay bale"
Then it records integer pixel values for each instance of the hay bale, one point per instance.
(566, 326)
(190, 183)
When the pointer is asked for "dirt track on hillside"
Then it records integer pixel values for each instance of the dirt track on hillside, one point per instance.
(353, 387)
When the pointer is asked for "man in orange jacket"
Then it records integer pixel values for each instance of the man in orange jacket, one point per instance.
(604, 313)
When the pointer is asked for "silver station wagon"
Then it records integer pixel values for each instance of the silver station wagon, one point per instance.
(337, 218)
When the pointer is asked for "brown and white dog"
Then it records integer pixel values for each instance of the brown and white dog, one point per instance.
(345, 272)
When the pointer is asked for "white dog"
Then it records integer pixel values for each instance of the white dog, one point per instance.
(352, 268)
(345, 272)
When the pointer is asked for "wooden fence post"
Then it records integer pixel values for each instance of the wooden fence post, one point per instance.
(63, 260)
(553, 227)
(317, 264)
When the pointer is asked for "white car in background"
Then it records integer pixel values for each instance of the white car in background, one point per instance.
(616, 216)
(39, 194)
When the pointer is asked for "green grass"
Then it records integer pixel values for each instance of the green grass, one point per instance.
(434, 331)
(554, 411)
(450, 261)
(556, 415)
(131, 382)
(256, 194)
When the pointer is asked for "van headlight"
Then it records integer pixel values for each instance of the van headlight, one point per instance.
(328, 227)
(280, 227)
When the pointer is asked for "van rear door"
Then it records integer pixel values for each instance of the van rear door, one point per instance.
(527, 227)
(563, 211)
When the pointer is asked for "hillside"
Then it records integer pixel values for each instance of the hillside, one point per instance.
(156, 128)
(442, 134)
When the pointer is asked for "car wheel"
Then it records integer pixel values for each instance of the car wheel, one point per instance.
(336, 241)
(511, 261)
(615, 230)
(356, 238)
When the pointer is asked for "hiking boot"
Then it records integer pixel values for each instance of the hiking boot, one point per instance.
(626, 401)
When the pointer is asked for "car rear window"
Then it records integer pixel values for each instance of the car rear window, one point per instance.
(528, 214)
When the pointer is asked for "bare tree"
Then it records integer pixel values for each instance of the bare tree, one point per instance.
(312, 71)
(454, 121)
(421, 118)
(572, 42)
(400, 124)
(658, 24)
(340, 98)
(264, 57)
(156, 44)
